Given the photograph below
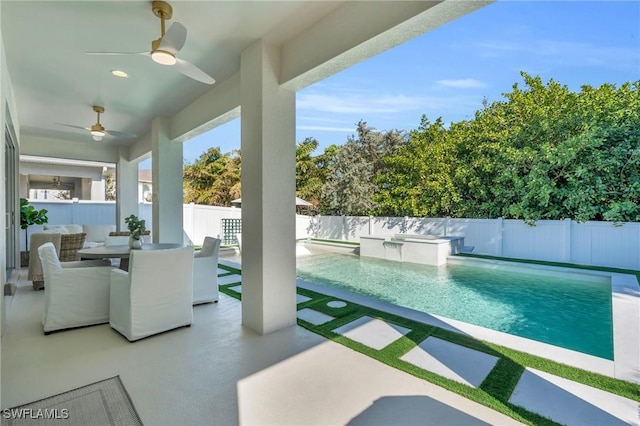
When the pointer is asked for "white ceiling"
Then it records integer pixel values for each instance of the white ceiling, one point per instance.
(55, 82)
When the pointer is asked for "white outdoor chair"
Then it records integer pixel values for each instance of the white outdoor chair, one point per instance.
(76, 294)
(115, 241)
(205, 272)
(155, 295)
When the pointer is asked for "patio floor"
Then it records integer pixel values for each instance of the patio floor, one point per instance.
(217, 372)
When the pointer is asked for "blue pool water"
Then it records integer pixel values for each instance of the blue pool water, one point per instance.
(571, 313)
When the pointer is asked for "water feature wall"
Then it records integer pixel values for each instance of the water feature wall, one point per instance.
(425, 249)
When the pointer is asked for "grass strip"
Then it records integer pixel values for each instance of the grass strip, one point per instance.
(502, 380)
(226, 290)
(495, 390)
(230, 269)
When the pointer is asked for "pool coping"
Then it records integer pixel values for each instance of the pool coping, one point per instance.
(625, 304)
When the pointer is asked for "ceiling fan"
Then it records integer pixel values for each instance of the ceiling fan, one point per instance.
(98, 131)
(165, 49)
(55, 184)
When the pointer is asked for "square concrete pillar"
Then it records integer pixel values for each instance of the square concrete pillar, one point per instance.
(126, 189)
(166, 174)
(268, 192)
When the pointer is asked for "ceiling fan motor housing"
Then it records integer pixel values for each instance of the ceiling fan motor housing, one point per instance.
(97, 128)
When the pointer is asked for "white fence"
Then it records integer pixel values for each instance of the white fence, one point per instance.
(198, 221)
(590, 243)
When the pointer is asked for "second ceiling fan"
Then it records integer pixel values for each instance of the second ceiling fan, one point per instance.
(165, 49)
(97, 130)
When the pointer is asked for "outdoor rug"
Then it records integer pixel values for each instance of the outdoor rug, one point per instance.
(102, 403)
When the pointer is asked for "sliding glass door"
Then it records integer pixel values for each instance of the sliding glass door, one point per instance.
(11, 202)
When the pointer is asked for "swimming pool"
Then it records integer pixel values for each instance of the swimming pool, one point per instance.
(564, 311)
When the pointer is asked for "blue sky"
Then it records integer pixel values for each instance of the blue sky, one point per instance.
(448, 71)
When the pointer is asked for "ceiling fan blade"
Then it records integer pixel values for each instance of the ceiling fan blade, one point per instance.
(193, 72)
(118, 53)
(121, 134)
(74, 127)
(174, 38)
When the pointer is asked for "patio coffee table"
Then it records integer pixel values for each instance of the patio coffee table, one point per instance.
(121, 252)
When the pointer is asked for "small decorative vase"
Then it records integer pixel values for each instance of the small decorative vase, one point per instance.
(135, 243)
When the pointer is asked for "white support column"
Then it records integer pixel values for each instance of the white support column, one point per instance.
(97, 189)
(268, 192)
(126, 188)
(166, 174)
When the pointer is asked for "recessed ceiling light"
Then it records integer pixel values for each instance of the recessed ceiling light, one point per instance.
(119, 73)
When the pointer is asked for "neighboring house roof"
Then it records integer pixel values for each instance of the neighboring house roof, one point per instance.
(144, 176)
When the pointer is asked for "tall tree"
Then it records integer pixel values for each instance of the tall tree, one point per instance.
(594, 172)
(544, 152)
(350, 187)
(213, 179)
(418, 178)
(308, 182)
(311, 171)
(110, 187)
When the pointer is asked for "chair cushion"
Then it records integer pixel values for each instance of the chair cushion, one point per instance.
(91, 244)
(116, 240)
(97, 233)
(63, 229)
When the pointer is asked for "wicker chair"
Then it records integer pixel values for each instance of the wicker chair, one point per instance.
(69, 246)
(67, 249)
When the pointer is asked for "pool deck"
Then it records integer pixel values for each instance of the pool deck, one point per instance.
(560, 399)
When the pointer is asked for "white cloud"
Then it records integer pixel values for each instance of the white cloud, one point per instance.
(316, 118)
(335, 110)
(327, 128)
(566, 52)
(465, 83)
(361, 103)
